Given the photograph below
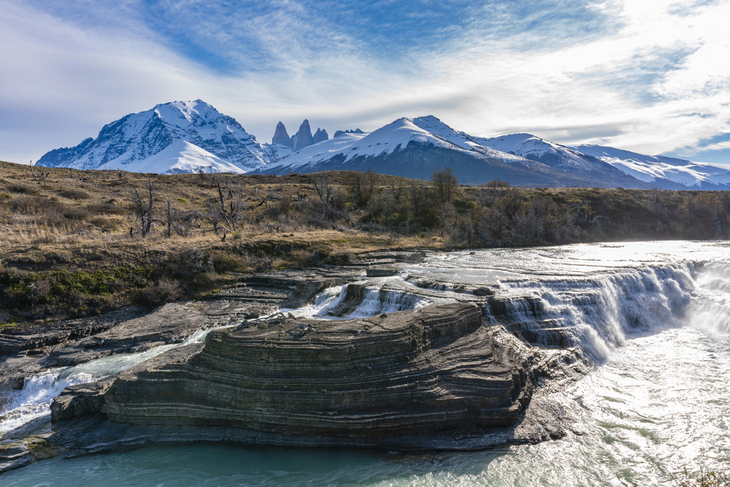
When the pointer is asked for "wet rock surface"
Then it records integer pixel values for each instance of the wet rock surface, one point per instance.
(432, 378)
(447, 376)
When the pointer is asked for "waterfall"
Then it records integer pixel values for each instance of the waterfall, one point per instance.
(595, 313)
(34, 400)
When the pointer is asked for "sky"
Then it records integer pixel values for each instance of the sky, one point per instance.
(650, 76)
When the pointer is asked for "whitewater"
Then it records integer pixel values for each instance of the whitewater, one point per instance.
(652, 320)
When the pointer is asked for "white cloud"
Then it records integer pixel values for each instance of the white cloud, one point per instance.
(656, 79)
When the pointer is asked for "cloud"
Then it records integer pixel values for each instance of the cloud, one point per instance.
(614, 72)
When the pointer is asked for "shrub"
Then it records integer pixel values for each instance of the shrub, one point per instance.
(107, 209)
(103, 223)
(74, 194)
(160, 292)
(223, 263)
(21, 189)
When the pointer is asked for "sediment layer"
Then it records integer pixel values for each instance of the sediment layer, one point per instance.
(410, 373)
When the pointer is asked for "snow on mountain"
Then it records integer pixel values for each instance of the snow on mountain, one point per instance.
(660, 169)
(417, 147)
(186, 136)
(394, 136)
(179, 157)
(439, 129)
(319, 152)
(131, 142)
(537, 149)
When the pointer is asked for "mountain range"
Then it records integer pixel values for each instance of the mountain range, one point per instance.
(181, 137)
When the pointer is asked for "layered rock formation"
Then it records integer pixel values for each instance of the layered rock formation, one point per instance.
(281, 136)
(369, 382)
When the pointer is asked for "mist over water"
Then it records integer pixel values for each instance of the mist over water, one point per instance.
(653, 317)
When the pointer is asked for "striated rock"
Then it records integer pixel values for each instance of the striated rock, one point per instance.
(281, 136)
(303, 138)
(80, 400)
(381, 271)
(372, 382)
(320, 135)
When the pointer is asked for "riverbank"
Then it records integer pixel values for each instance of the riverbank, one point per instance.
(81, 243)
(624, 344)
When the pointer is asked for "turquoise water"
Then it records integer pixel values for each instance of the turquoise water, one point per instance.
(661, 403)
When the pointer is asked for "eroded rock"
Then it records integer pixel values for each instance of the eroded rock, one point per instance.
(386, 380)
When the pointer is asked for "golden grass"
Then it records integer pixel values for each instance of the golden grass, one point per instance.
(71, 219)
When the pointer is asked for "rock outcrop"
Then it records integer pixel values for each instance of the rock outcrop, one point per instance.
(304, 136)
(320, 135)
(349, 131)
(381, 381)
(281, 136)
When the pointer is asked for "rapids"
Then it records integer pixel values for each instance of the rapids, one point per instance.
(653, 318)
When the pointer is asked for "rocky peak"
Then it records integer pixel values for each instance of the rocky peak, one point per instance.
(304, 136)
(342, 132)
(320, 135)
(281, 136)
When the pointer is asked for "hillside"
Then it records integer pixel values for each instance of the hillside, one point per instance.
(81, 242)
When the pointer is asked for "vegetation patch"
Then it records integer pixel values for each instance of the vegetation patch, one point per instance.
(126, 238)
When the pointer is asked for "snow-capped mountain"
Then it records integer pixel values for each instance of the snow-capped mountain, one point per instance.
(541, 150)
(170, 138)
(417, 147)
(663, 172)
(180, 137)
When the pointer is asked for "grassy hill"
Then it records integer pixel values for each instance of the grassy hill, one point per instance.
(82, 242)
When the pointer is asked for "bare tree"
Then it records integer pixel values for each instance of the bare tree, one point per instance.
(362, 185)
(144, 208)
(446, 184)
(170, 218)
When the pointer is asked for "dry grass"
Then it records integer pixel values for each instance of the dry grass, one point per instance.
(70, 219)
(190, 232)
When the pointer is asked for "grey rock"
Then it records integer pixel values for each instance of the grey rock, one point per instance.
(281, 137)
(303, 138)
(381, 271)
(430, 370)
(320, 136)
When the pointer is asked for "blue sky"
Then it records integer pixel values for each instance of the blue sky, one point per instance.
(650, 76)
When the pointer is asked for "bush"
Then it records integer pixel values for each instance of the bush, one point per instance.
(74, 194)
(107, 209)
(163, 291)
(223, 263)
(53, 210)
(21, 189)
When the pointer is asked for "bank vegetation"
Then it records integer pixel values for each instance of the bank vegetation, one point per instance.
(82, 242)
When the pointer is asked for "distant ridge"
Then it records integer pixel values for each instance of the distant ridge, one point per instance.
(187, 136)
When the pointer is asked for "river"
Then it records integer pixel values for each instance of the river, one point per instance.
(652, 317)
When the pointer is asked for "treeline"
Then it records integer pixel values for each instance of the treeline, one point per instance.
(498, 215)
(82, 242)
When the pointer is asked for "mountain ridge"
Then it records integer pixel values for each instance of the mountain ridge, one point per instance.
(191, 136)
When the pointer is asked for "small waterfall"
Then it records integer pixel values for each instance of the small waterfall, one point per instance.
(595, 313)
(372, 299)
(34, 400)
(363, 299)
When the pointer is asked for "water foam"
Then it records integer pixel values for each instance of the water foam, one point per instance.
(597, 313)
(34, 400)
